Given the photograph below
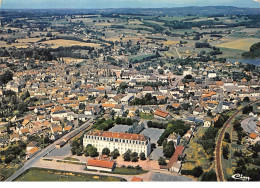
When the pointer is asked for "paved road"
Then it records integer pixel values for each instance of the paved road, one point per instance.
(249, 125)
(218, 150)
(165, 177)
(28, 164)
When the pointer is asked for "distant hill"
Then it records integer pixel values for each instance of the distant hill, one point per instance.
(180, 11)
(254, 51)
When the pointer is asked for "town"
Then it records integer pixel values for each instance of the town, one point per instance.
(128, 97)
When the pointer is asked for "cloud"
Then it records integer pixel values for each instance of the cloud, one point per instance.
(257, 1)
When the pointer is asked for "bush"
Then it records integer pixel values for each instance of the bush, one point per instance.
(169, 149)
(162, 161)
(115, 153)
(196, 172)
(105, 151)
(142, 156)
(209, 176)
(127, 155)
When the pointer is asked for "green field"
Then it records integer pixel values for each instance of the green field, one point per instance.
(128, 171)
(146, 116)
(140, 57)
(37, 174)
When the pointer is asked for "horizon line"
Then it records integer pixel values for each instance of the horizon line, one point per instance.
(3, 8)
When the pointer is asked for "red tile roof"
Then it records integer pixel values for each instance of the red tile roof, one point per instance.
(253, 135)
(108, 134)
(174, 158)
(100, 163)
(161, 113)
(136, 179)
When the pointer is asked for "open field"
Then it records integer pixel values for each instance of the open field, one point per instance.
(37, 174)
(168, 43)
(67, 43)
(240, 44)
(196, 155)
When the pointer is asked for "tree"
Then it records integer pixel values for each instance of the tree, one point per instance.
(127, 155)
(162, 161)
(90, 151)
(93, 152)
(76, 146)
(115, 153)
(225, 151)
(149, 123)
(246, 99)
(142, 156)
(105, 151)
(197, 171)
(227, 137)
(134, 157)
(129, 121)
(118, 120)
(247, 109)
(209, 176)
(9, 158)
(169, 149)
(6, 77)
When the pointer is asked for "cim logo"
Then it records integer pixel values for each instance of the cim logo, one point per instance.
(240, 177)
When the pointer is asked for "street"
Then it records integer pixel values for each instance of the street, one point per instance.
(28, 164)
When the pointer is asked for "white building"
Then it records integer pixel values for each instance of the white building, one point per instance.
(121, 141)
(212, 75)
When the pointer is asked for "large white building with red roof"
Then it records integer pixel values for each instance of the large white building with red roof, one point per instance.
(121, 141)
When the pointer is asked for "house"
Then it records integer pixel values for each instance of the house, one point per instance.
(101, 165)
(125, 100)
(174, 158)
(82, 117)
(161, 114)
(136, 179)
(56, 129)
(32, 152)
(197, 111)
(175, 138)
(177, 167)
(31, 145)
(253, 137)
(148, 89)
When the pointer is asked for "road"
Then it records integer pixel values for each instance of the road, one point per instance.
(4, 124)
(28, 164)
(178, 52)
(177, 80)
(218, 150)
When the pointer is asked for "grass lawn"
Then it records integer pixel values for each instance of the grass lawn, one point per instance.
(140, 57)
(37, 174)
(231, 53)
(128, 171)
(146, 116)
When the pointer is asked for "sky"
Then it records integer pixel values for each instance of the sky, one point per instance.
(90, 4)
